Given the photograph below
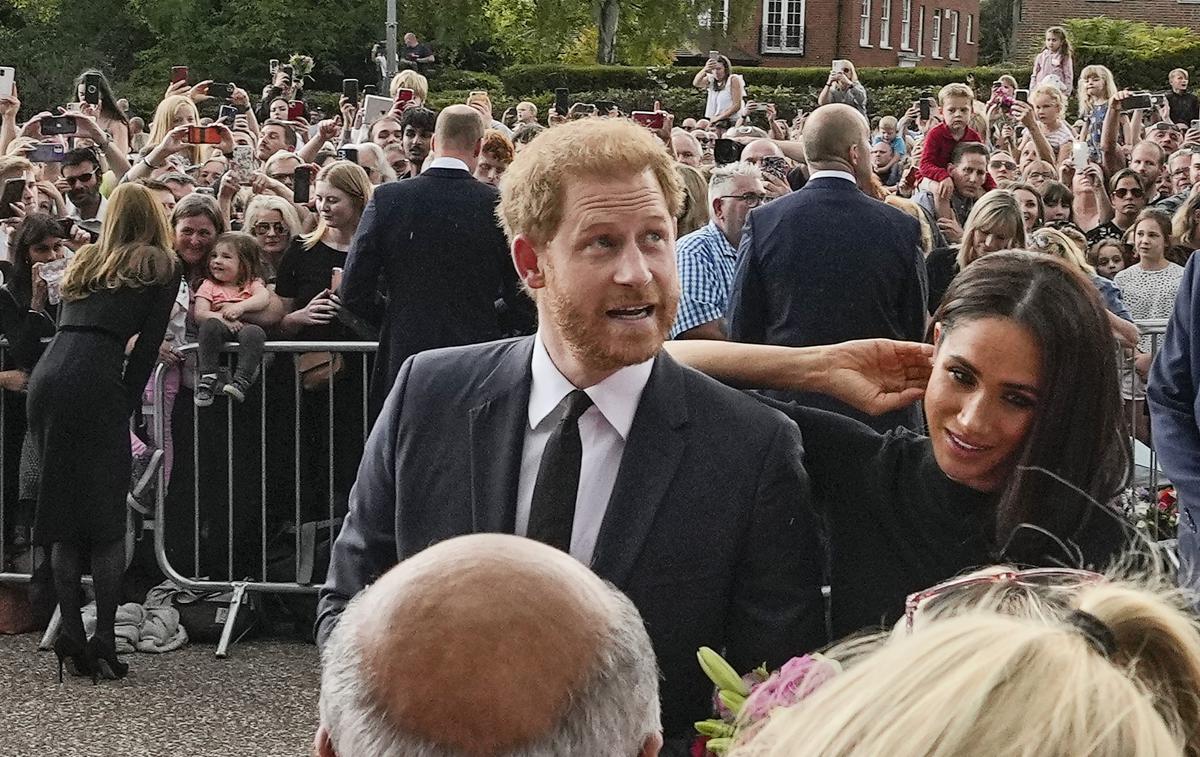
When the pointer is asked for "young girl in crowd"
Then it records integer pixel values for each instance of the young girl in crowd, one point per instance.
(1109, 257)
(1054, 63)
(1056, 201)
(1096, 88)
(232, 288)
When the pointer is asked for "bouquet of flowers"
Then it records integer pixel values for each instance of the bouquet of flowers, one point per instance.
(302, 66)
(743, 702)
(1153, 512)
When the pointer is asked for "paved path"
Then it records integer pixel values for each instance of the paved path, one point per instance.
(261, 700)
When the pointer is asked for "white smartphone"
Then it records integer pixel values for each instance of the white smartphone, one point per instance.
(1080, 154)
(375, 108)
(8, 76)
(839, 66)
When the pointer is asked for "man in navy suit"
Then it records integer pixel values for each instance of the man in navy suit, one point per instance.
(827, 264)
(435, 241)
(686, 495)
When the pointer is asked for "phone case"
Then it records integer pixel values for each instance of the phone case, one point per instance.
(243, 162)
(375, 108)
(8, 76)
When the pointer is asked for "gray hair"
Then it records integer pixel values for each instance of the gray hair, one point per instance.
(613, 713)
(722, 176)
(385, 169)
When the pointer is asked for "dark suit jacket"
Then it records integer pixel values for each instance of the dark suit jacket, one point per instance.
(708, 530)
(827, 264)
(444, 263)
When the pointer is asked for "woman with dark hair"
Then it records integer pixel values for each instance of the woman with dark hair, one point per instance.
(726, 90)
(1057, 200)
(1033, 212)
(110, 118)
(1014, 467)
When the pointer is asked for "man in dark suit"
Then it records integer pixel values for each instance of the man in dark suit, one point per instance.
(442, 255)
(827, 264)
(686, 495)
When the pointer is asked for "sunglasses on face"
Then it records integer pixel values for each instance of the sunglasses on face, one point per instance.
(263, 228)
(1004, 164)
(81, 179)
(1129, 192)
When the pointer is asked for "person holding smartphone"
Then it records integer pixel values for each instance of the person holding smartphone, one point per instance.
(843, 86)
(726, 90)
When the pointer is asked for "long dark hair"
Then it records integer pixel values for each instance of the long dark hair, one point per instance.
(1077, 436)
(108, 101)
(35, 229)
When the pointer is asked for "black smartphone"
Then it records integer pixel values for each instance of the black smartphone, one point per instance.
(58, 125)
(562, 101)
(348, 153)
(369, 89)
(91, 89)
(300, 180)
(727, 151)
(1137, 101)
(220, 91)
(65, 227)
(14, 189)
(350, 90)
(227, 114)
(925, 107)
(1022, 95)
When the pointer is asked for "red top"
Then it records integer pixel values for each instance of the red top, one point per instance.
(935, 153)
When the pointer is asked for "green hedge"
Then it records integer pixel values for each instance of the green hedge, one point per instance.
(1134, 71)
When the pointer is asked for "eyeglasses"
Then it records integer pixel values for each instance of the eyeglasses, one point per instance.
(81, 179)
(264, 227)
(1003, 164)
(702, 140)
(1037, 578)
(1039, 175)
(1129, 192)
(750, 198)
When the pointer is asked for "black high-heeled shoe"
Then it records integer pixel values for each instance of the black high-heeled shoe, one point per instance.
(104, 661)
(73, 656)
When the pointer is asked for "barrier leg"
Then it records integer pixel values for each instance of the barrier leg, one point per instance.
(239, 593)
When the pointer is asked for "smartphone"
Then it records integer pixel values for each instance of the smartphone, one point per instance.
(375, 108)
(220, 91)
(203, 135)
(404, 94)
(1021, 95)
(65, 227)
(348, 153)
(562, 101)
(649, 119)
(274, 66)
(47, 152)
(727, 151)
(761, 107)
(714, 54)
(91, 89)
(300, 182)
(923, 104)
(1080, 153)
(775, 166)
(227, 114)
(583, 110)
(335, 279)
(296, 109)
(58, 125)
(350, 90)
(1137, 101)
(369, 89)
(14, 189)
(179, 73)
(839, 66)
(243, 163)
(8, 77)
(478, 93)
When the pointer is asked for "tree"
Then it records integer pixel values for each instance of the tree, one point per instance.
(996, 30)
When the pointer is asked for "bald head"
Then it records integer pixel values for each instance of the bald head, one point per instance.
(458, 132)
(832, 133)
(453, 648)
(759, 149)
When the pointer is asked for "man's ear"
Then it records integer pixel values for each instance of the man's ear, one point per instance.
(323, 744)
(433, 144)
(652, 746)
(527, 262)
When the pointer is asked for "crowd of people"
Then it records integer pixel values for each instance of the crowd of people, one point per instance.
(934, 310)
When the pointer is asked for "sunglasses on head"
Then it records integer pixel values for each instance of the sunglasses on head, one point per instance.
(1038, 578)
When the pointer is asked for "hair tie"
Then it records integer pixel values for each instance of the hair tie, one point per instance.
(1096, 631)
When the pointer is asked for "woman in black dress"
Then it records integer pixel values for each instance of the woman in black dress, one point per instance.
(81, 396)
(1025, 451)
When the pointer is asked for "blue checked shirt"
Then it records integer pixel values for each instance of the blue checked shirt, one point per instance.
(706, 264)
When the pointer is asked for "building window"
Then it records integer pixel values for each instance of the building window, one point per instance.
(885, 24)
(970, 28)
(921, 33)
(715, 16)
(864, 29)
(906, 25)
(935, 40)
(783, 26)
(952, 22)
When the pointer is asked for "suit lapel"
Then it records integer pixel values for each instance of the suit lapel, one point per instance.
(648, 465)
(497, 439)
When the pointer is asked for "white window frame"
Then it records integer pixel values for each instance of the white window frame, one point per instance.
(906, 24)
(786, 8)
(952, 19)
(864, 24)
(705, 18)
(921, 33)
(885, 24)
(935, 36)
(970, 28)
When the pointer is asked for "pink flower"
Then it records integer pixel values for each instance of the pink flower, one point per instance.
(796, 680)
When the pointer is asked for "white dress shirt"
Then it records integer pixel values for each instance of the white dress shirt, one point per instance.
(445, 162)
(603, 429)
(834, 174)
(73, 212)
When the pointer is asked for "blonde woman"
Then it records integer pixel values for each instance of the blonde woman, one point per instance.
(304, 277)
(995, 223)
(1101, 669)
(167, 148)
(695, 201)
(1185, 226)
(274, 224)
(81, 395)
(409, 79)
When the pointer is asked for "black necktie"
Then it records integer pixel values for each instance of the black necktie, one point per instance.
(552, 511)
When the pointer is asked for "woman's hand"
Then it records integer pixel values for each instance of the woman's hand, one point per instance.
(233, 311)
(167, 354)
(199, 93)
(40, 294)
(950, 229)
(240, 98)
(877, 376)
(177, 89)
(1141, 363)
(229, 186)
(319, 311)
(10, 105)
(14, 380)
(174, 142)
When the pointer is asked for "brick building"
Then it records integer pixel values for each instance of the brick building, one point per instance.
(937, 33)
(1031, 17)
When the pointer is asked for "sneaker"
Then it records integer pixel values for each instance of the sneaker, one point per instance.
(237, 388)
(205, 389)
